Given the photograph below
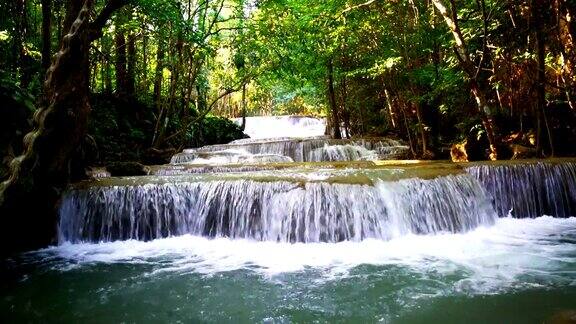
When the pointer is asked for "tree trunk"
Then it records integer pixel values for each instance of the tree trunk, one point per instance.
(344, 107)
(422, 131)
(46, 32)
(120, 62)
(29, 197)
(390, 108)
(486, 118)
(23, 59)
(131, 75)
(144, 66)
(158, 74)
(566, 31)
(40, 175)
(408, 132)
(243, 126)
(335, 131)
(537, 16)
(106, 45)
(471, 70)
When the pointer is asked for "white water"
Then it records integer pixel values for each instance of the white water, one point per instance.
(290, 138)
(304, 149)
(283, 126)
(275, 210)
(342, 153)
(236, 156)
(493, 257)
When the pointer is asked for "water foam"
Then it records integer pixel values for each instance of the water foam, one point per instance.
(283, 126)
(276, 210)
(512, 252)
(304, 149)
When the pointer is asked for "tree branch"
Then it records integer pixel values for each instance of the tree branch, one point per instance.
(98, 24)
(365, 4)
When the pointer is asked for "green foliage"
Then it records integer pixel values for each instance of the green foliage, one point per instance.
(16, 109)
(394, 67)
(213, 130)
(9, 89)
(122, 130)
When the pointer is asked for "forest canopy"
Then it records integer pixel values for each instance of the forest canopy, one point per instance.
(496, 75)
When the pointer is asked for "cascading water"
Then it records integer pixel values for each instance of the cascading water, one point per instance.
(227, 234)
(342, 153)
(282, 126)
(291, 138)
(306, 143)
(233, 156)
(305, 149)
(530, 190)
(290, 207)
(275, 210)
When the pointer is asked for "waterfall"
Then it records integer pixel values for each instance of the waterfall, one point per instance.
(342, 153)
(530, 189)
(275, 210)
(281, 126)
(169, 170)
(229, 156)
(302, 150)
(327, 206)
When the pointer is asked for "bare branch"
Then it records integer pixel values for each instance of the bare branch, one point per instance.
(365, 4)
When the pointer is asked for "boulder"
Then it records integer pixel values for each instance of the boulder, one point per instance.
(458, 152)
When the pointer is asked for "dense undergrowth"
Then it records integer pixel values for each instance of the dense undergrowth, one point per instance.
(119, 130)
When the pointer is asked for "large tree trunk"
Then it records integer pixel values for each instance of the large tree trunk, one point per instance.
(28, 198)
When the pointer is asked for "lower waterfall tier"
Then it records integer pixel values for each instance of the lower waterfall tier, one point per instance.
(318, 206)
(275, 211)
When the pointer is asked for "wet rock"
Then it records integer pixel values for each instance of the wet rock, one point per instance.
(523, 152)
(120, 169)
(458, 152)
(154, 156)
(97, 173)
(473, 148)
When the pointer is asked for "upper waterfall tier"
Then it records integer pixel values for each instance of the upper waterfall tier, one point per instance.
(283, 126)
(297, 149)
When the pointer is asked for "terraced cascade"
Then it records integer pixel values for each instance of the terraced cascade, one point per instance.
(299, 150)
(308, 230)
